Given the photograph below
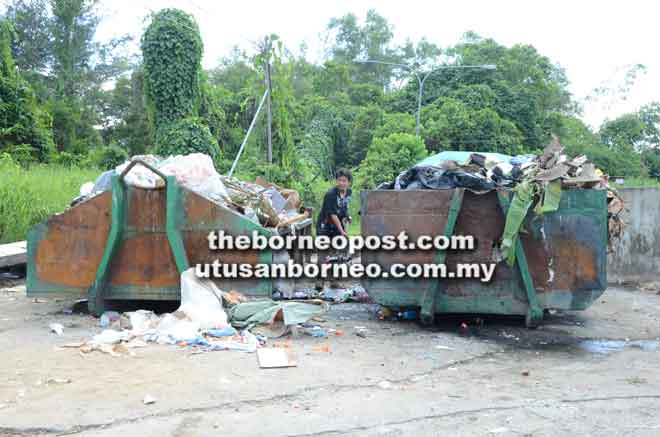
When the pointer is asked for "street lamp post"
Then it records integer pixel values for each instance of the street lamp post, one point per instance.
(422, 79)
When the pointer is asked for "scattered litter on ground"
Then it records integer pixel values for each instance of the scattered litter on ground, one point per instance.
(274, 357)
(57, 328)
(58, 381)
(108, 318)
(148, 400)
(322, 348)
(110, 336)
(274, 318)
(72, 345)
(510, 336)
(203, 323)
(115, 350)
(385, 385)
(313, 330)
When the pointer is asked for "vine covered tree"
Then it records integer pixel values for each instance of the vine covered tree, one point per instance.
(172, 53)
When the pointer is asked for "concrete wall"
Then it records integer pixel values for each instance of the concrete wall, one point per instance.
(637, 257)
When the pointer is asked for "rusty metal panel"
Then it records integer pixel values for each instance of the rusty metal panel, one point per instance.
(70, 245)
(566, 250)
(65, 251)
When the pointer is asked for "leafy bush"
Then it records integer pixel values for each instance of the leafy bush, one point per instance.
(22, 154)
(651, 159)
(396, 123)
(451, 124)
(615, 162)
(387, 157)
(364, 94)
(66, 159)
(189, 135)
(108, 157)
(23, 125)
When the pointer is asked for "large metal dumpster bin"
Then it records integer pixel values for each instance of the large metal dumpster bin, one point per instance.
(133, 243)
(561, 258)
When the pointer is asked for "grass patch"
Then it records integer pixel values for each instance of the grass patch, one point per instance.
(29, 196)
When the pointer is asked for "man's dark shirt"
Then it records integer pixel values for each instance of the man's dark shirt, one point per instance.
(333, 203)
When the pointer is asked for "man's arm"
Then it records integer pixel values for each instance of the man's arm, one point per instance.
(337, 222)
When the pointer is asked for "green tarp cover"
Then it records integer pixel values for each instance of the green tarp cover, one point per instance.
(522, 199)
(248, 314)
(551, 197)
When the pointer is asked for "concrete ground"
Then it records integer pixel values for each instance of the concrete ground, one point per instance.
(589, 373)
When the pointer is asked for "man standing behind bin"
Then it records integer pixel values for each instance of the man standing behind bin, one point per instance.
(333, 217)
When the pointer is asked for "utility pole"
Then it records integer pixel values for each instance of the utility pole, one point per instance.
(421, 79)
(269, 90)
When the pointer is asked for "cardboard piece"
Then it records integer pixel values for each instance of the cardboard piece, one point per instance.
(272, 357)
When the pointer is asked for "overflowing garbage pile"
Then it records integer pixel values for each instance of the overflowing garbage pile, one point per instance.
(265, 202)
(534, 180)
(207, 320)
(483, 172)
(261, 201)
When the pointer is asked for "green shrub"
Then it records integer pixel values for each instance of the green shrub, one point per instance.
(387, 157)
(108, 157)
(67, 159)
(22, 154)
(23, 124)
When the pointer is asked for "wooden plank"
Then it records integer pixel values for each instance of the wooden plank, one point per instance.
(12, 254)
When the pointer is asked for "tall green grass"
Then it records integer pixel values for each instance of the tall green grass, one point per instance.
(29, 196)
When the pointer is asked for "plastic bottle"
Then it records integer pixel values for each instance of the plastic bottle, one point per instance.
(407, 315)
(108, 318)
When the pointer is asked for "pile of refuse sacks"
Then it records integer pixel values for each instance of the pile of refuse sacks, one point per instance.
(207, 320)
(484, 172)
(534, 180)
(260, 201)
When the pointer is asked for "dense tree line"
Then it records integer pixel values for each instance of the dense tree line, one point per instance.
(68, 99)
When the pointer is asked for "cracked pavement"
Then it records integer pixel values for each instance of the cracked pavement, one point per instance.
(496, 378)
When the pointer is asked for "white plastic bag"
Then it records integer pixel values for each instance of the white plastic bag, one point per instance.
(172, 330)
(201, 301)
(196, 172)
(142, 321)
(87, 188)
(110, 336)
(140, 176)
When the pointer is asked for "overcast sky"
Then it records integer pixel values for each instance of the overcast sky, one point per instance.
(595, 41)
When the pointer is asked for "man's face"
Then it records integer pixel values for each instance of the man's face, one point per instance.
(343, 183)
